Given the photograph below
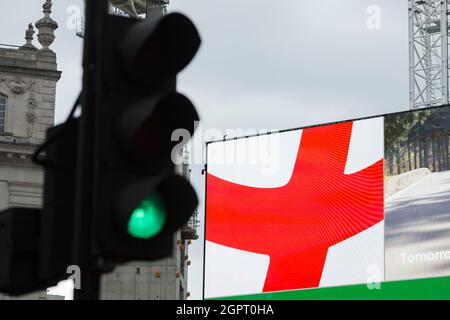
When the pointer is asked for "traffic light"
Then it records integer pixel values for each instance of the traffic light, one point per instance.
(19, 254)
(58, 214)
(36, 244)
(141, 202)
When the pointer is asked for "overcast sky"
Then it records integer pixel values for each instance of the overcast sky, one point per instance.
(263, 64)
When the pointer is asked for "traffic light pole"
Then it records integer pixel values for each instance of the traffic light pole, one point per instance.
(86, 184)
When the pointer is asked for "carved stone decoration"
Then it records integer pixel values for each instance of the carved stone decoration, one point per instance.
(32, 103)
(29, 36)
(30, 32)
(46, 27)
(17, 85)
(8, 159)
(30, 116)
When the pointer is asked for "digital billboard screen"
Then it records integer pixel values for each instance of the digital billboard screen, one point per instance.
(346, 203)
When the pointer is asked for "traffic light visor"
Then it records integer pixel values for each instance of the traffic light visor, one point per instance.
(152, 51)
(145, 128)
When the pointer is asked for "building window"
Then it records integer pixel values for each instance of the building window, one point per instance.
(2, 113)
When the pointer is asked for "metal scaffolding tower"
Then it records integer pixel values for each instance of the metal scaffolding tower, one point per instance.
(137, 8)
(142, 9)
(428, 53)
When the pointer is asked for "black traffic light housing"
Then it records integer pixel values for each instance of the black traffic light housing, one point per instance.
(57, 216)
(140, 109)
(35, 244)
(19, 251)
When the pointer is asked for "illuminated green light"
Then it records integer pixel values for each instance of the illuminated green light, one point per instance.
(148, 219)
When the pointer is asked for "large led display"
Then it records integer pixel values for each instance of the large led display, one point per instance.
(329, 205)
(306, 212)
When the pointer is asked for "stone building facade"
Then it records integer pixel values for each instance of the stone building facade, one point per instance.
(28, 78)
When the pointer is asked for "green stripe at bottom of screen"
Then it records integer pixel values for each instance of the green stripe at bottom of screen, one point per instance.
(420, 289)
